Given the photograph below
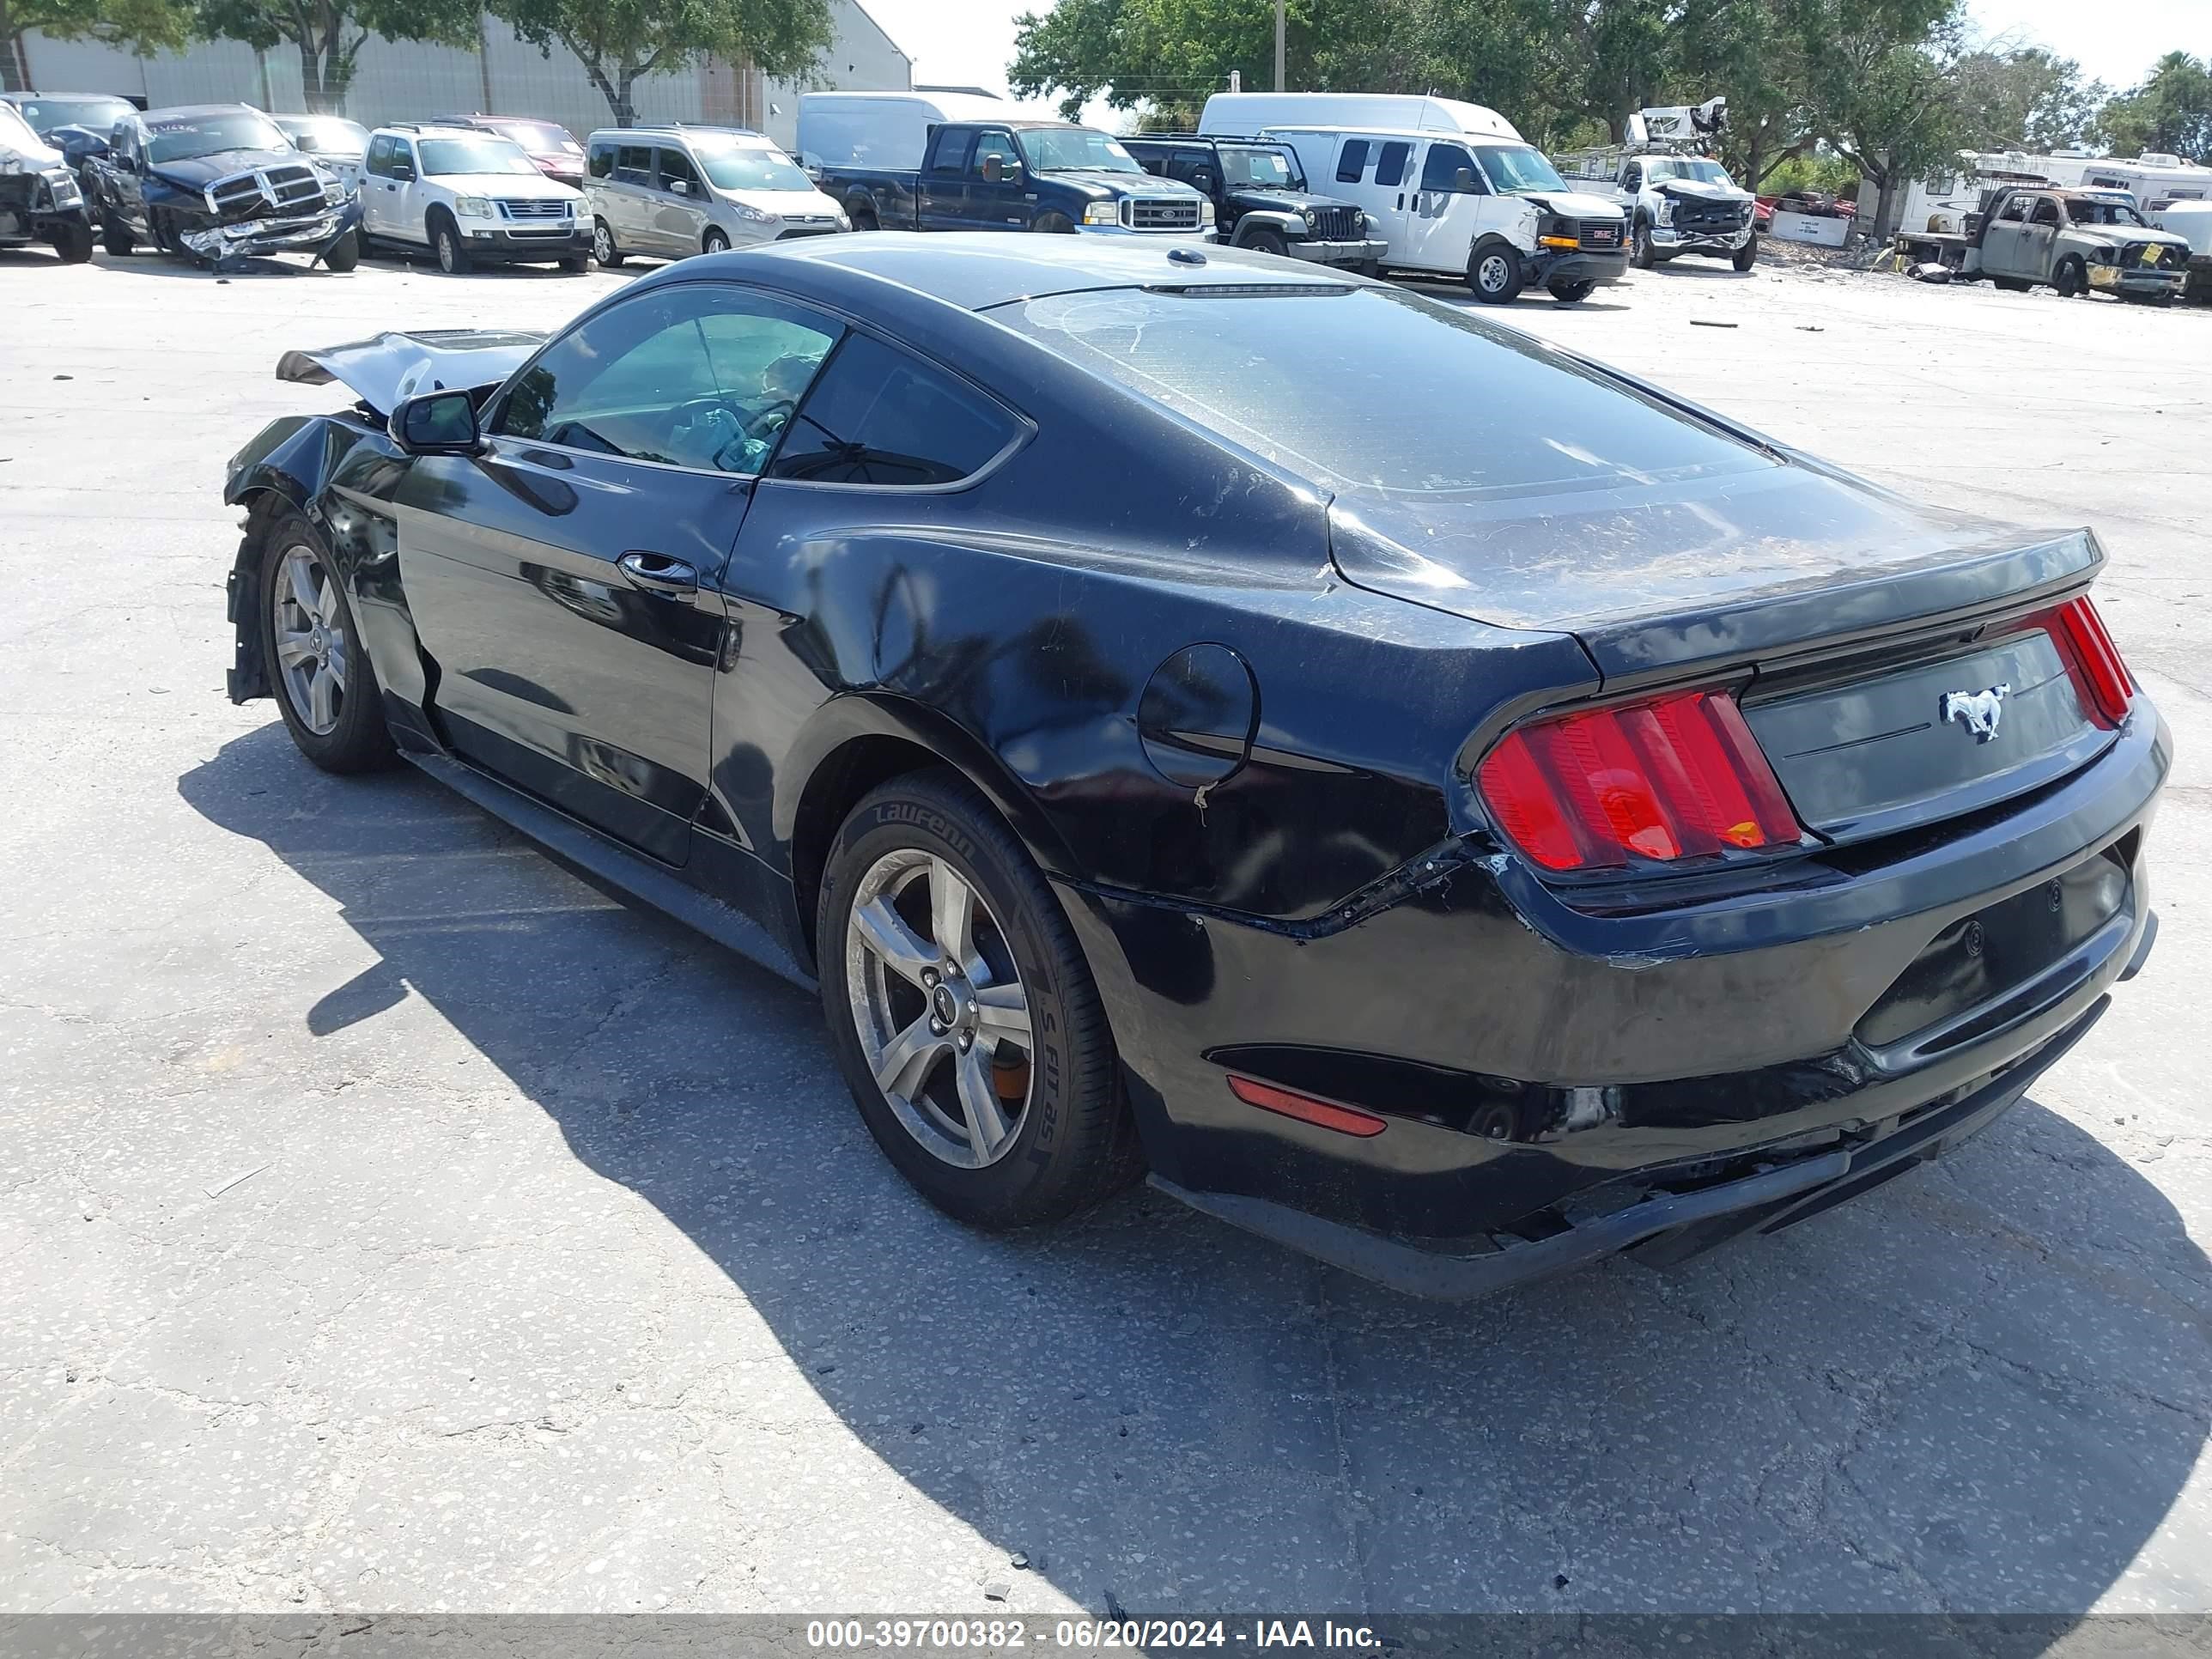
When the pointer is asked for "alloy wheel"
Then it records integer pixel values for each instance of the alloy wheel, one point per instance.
(938, 1005)
(306, 630)
(449, 252)
(603, 244)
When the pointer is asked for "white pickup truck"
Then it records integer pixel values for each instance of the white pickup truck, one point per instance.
(1678, 200)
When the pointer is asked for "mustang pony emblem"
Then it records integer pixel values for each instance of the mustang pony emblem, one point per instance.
(1979, 711)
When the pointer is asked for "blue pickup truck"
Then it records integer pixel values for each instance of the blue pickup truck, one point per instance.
(902, 161)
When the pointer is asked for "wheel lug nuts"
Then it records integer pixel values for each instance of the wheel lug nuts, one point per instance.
(966, 1039)
(929, 977)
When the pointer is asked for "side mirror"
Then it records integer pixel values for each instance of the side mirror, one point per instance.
(436, 423)
(1463, 181)
(679, 186)
(305, 144)
(404, 172)
(1203, 180)
(995, 170)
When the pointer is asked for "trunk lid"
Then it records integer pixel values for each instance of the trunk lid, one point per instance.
(1853, 614)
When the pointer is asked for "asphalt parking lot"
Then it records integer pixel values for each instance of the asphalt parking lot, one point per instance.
(393, 1221)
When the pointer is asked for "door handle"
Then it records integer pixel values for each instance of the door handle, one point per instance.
(656, 572)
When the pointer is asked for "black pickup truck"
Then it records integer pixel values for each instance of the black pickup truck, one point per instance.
(1260, 197)
(1020, 175)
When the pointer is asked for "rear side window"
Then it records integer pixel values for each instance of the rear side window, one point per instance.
(634, 164)
(1352, 160)
(1423, 398)
(877, 416)
(950, 155)
(1391, 169)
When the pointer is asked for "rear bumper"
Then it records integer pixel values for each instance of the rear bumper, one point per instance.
(1662, 1226)
(1529, 1057)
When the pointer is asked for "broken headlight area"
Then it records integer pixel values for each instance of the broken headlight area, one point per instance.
(260, 236)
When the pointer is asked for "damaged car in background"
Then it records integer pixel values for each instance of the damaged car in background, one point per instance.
(40, 200)
(216, 184)
(1472, 813)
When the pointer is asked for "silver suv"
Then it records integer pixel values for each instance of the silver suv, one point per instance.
(670, 192)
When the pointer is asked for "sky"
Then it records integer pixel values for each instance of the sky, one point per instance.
(970, 42)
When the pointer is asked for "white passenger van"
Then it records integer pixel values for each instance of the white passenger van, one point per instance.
(1246, 114)
(1485, 209)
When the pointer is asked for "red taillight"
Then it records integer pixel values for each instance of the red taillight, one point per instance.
(1676, 777)
(2080, 634)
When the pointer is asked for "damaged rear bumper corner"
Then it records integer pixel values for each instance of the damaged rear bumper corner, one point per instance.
(1664, 1227)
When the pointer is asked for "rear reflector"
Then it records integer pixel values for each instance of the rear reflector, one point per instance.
(2080, 634)
(1678, 776)
(1328, 1114)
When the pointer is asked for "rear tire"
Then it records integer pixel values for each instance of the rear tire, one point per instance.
(1747, 256)
(328, 693)
(603, 246)
(1570, 293)
(453, 253)
(73, 243)
(1493, 272)
(1056, 1136)
(343, 254)
(116, 236)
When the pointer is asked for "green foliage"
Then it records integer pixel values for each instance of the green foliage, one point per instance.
(1797, 173)
(2026, 100)
(328, 35)
(617, 41)
(2171, 111)
(145, 26)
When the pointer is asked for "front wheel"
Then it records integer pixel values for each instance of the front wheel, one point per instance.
(116, 236)
(73, 242)
(2071, 278)
(453, 253)
(1747, 256)
(343, 254)
(963, 1013)
(576, 264)
(318, 670)
(603, 246)
(1641, 253)
(713, 242)
(1267, 241)
(1054, 224)
(1572, 294)
(1494, 273)
(2010, 284)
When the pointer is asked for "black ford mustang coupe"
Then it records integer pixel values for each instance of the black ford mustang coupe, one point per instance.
(1429, 798)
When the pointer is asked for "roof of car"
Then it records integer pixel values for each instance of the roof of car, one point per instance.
(178, 112)
(978, 270)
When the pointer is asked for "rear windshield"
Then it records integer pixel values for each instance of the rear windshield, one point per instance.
(325, 134)
(539, 137)
(1375, 389)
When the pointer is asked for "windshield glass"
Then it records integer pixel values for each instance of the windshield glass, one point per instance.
(1517, 166)
(1055, 149)
(735, 165)
(179, 137)
(1702, 172)
(442, 158)
(100, 114)
(325, 134)
(541, 137)
(2104, 213)
(1423, 398)
(1261, 169)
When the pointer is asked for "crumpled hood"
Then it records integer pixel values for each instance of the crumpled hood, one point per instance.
(393, 366)
(195, 173)
(1573, 203)
(1697, 190)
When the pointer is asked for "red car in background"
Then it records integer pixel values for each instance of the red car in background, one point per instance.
(552, 146)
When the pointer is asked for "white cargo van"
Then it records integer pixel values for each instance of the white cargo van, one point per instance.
(1244, 114)
(1488, 209)
(890, 129)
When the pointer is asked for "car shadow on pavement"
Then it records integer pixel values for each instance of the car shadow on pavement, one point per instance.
(1983, 1386)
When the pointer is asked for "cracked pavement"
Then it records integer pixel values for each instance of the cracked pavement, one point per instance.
(393, 1221)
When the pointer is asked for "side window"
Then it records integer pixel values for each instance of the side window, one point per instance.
(634, 165)
(1197, 166)
(2015, 209)
(403, 159)
(1633, 179)
(2046, 212)
(878, 417)
(1352, 160)
(987, 144)
(703, 376)
(1445, 163)
(1151, 161)
(603, 161)
(950, 155)
(379, 160)
(676, 168)
(1391, 169)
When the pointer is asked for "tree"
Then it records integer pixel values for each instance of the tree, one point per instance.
(1750, 52)
(1881, 87)
(620, 42)
(2169, 113)
(145, 26)
(2029, 98)
(328, 35)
